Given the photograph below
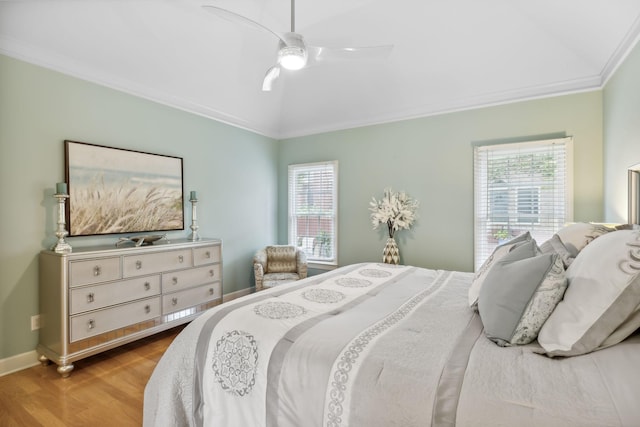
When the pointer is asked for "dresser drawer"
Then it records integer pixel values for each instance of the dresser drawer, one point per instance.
(189, 297)
(100, 296)
(206, 255)
(101, 321)
(140, 265)
(182, 279)
(99, 270)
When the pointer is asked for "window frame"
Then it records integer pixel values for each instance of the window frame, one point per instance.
(292, 233)
(487, 158)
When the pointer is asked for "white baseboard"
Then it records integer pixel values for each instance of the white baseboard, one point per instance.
(30, 358)
(18, 362)
(237, 294)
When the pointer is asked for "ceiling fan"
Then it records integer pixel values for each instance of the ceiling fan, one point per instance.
(294, 53)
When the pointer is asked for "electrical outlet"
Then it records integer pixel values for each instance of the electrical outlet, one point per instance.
(35, 322)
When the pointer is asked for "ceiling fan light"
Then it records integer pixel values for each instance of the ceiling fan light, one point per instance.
(292, 57)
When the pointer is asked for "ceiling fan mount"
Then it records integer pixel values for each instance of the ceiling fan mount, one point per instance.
(294, 53)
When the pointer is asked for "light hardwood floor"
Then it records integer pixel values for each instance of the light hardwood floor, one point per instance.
(103, 390)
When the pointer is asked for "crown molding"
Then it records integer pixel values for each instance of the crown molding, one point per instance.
(33, 55)
(620, 54)
(587, 84)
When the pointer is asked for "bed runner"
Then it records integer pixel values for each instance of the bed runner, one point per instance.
(445, 405)
(346, 366)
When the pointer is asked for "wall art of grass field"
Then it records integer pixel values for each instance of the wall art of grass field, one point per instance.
(108, 202)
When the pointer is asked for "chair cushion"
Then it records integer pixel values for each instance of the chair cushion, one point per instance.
(273, 279)
(281, 259)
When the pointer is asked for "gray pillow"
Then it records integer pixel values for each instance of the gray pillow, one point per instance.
(555, 245)
(519, 294)
(498, 253)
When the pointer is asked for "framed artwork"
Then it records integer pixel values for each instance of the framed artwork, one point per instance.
(114, 190)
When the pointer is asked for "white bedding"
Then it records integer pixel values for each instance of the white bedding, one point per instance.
(377, 345)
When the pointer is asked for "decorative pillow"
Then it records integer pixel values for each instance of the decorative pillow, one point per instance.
(601, 306)
(518, 296)
(498, 253)
(576, 236)
(554, 245)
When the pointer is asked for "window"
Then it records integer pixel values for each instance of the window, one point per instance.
(518, 187)
(313, 208)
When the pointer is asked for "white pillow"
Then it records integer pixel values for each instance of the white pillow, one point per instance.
(601, 306)
(576, 237)
(498, 253)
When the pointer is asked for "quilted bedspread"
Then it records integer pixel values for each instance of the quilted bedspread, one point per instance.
(378, 345)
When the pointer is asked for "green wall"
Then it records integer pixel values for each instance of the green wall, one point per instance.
(233, 170)
(432, 159)
(621, 133)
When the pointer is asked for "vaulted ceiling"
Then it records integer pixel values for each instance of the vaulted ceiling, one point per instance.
(448, 54)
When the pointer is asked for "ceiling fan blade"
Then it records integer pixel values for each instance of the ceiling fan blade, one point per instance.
(234, 17)
(321, 54)
(272, 74)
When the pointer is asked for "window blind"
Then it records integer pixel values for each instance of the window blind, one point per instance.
(519, 187)
(313, 207)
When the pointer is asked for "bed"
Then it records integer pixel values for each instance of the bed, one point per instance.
(375, 344)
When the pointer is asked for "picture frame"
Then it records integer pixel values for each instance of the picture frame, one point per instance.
(119, 191)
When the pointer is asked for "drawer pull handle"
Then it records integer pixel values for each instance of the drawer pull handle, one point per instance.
(174, 301)
(91, 324)
(147, 309)
(97, 270)
(147, 286)
(211, 291)
(138, 265)
(90, 297)
(207, 254)
(180, 259)
(175, 281)
(211, 273)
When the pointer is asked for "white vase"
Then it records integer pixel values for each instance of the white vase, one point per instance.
(391, 253)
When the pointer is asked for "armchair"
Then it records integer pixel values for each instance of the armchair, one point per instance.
(278, 264)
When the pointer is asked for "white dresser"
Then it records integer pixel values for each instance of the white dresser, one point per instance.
(95, 299)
